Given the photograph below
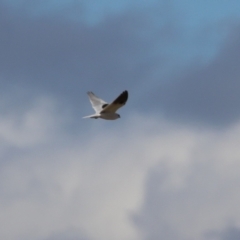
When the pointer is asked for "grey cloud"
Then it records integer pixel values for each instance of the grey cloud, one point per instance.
(67, 235)
(229, 233)
(56, 56)
(66, 58)
(207, 94)
(152, 221)
(174, 178)
(206, 198)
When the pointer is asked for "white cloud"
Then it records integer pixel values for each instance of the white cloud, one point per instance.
(27, 128)
(95, 185)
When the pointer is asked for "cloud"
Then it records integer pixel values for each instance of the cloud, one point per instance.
(140, 49)
(68, 235)
(206, 94)
(231, 232)
(149, 178)
(146, 176)
(28, 128)
(185, 199)
(64, 57)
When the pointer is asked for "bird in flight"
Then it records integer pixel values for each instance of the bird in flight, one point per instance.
(103, 109)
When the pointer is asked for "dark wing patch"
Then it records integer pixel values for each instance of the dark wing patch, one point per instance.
(122, 98)
(104, 105)
(117, 103)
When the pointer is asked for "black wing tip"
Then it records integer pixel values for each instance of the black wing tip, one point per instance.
(122, 98)
(125, 94)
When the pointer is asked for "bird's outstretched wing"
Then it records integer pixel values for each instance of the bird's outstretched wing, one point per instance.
(97, 103)
(117, 103)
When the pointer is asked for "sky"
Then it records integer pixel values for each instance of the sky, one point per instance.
(169, 168)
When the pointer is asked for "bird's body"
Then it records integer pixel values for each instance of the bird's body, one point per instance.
(104, 110)
(106, 116)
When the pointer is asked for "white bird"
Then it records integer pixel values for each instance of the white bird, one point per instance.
(104, 110)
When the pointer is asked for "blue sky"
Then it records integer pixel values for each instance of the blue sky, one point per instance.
(168, 169)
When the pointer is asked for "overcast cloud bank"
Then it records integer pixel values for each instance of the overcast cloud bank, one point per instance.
(150, 178)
